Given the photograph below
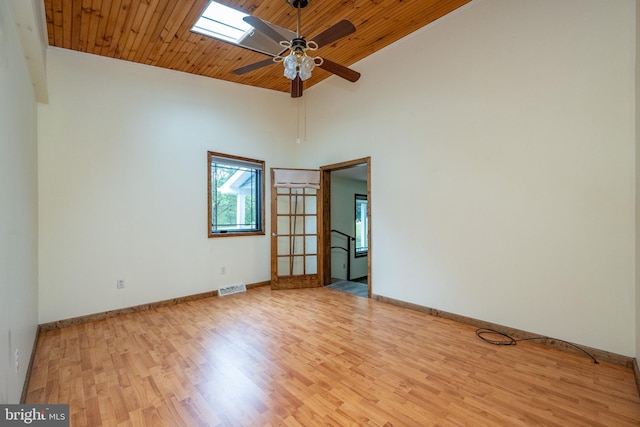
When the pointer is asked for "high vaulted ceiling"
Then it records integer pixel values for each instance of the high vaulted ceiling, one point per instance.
(157, 32)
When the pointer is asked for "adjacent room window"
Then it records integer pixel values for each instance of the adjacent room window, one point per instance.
(236, 195)
(362, 225)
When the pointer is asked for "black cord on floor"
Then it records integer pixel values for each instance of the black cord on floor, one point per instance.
(509, 340)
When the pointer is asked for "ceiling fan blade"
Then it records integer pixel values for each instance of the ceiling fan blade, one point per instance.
(255, 66)
(296, 87)
(336, 32)
(340, 70)
(264, 28)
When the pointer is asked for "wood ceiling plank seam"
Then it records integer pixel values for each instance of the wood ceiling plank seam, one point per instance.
(353, 41)
(200, 59)
(118, 19)
(175, 35)
(180, 59)
(167, 33)
(242, 57)
(67, 23)
(98, 38)
(406, 20)
(246, 6)
(110, 27)
(126, 30)
(183, 43)
(198, 55)
(94, 22)
(49, 16)
(314, 20)
(426, 16)
(134, 28)
(278, 15)
(142, 30)
(159, 19)
(76, 23)
(380, 35)
(83, 25)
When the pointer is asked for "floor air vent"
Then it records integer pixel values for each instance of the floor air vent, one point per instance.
(232, 289)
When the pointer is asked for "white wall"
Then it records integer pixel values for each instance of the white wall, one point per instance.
(637, 165)
(123, 182)
(18, 211)
(513, 121)
(343, 193)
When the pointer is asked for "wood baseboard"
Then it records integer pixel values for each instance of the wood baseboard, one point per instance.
(636, 374)
(600, 355)
(58, 324)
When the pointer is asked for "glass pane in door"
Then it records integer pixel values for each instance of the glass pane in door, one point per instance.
(296, 229)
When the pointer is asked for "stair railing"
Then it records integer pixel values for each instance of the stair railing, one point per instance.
(347, 249)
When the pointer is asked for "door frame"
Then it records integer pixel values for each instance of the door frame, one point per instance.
(325, 240)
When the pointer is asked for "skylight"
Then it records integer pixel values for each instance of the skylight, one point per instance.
(222, 22)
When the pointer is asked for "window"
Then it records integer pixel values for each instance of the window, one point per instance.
(362, 225)
(222, 22)
(236, 194)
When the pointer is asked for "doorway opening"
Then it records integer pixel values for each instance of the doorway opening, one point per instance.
(346, 204)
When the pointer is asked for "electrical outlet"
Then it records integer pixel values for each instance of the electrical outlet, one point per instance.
(17, 359)
(120, 284)
(223, 270)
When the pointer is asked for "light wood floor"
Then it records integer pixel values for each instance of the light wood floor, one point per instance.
(316, 357)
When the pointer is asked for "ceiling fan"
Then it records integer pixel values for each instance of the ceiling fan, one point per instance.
(297, 64)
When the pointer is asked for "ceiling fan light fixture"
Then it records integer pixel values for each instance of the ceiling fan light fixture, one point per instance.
(298, 62)
(290, 63)
(307, 65)
(298, 65)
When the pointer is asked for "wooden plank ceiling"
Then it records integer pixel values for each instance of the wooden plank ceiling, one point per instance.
(156, 32)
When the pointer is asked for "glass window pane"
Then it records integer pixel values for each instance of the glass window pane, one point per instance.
(297, 225)
(361, 225)
(298, 266)
(297, 245)
(310, 225)
(283, 204)
(283, 225)
(311, 264)
(298, 204)
(310, 205)
(311, 244)
(283, 245)
(283, 266)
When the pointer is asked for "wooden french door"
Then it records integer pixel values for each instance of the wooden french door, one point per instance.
(296, 258)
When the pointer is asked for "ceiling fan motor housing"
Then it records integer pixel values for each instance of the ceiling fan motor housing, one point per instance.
(298, 44)
(298, 4)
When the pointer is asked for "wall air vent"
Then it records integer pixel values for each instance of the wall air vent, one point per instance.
(232, 289)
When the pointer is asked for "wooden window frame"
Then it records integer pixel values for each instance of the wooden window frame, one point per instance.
(260, 192)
